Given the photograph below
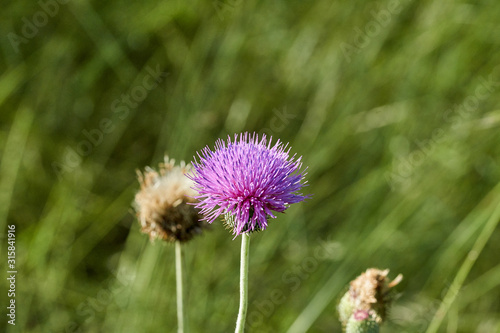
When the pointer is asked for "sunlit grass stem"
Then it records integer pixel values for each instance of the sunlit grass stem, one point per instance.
(242, 314)
(464, 270)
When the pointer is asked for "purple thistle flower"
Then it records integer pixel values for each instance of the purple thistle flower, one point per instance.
(246, 180)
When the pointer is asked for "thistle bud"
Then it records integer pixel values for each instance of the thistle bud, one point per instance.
(367, 300)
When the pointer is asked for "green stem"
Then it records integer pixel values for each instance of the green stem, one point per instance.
(242, 314)
(179, 259)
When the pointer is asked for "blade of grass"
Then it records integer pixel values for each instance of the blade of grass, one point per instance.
(11, 161)
(464, 270)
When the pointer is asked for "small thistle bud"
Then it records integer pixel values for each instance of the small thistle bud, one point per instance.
(369, 294)
(362, 321)
(163, 203)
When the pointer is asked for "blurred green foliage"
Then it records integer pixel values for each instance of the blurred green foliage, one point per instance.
(393, 105)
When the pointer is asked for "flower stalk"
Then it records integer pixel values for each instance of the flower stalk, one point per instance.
(179, 262)
(242, 313)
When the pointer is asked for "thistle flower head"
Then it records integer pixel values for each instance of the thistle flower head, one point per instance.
(246, 179)
(162, 203)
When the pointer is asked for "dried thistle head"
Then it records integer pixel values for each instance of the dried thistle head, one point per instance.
(163, 203)
(369, 293)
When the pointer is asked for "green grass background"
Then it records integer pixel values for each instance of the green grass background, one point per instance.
(402, 175)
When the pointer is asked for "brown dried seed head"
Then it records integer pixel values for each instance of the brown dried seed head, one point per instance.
(162, 203)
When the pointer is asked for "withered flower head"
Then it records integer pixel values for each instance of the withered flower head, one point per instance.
(162, 204)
